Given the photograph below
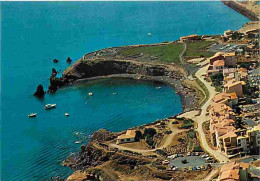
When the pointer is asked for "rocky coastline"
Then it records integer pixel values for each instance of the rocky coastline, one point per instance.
(105, 64)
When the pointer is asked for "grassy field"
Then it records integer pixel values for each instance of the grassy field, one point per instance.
(197, 49)
(166, 53)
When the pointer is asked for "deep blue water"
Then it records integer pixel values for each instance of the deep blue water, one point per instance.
(34, 33)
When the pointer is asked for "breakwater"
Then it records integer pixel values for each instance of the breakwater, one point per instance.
(242, 10)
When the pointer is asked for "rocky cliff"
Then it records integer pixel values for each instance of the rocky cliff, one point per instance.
(93, 68)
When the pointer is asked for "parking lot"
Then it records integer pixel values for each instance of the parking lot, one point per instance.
(225, 47)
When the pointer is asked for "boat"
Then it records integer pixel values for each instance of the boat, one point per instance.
(77, 142)
(32, 115)
(66, 114)
(114, 93)
(158, 87)
(76, 133)
(49, 106)
(90, 94)
(149, 34)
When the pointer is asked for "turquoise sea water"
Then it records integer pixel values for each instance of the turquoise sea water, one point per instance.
(34, 33)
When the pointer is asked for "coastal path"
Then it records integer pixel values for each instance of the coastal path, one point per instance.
(166, 143)
(182, 53)
(203, 117)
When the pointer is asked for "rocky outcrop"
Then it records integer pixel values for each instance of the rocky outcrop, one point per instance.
(242, 10)
(54, 72)
(102, 135)
(39, 91)
(56, 83)
(55, 60)
(69, 60)
(89, 156)
(92, 68)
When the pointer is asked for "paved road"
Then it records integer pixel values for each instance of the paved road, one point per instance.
(203, 117)
(166, 143)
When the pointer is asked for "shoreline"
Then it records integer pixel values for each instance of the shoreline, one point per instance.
(171, 81)
(176, 85)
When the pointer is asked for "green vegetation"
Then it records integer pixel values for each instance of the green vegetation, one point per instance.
(191, 135)
(217, 81)
(197, 49)
(197, 148)
(148, 135)
(161, 152)
(187, 123)
(167, 53)
(184, 161)
(205, 90)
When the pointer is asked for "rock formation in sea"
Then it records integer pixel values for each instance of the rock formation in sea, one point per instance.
(54, 72)
(55, 60)
(39, 91)
(69, 60)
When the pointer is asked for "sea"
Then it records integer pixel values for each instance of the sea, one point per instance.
(35, 33)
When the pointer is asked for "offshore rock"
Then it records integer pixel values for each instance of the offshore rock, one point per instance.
(55, 60)
(54, 72)
(39, 91)
(69, 60)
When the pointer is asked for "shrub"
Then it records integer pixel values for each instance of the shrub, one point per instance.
(149, 132)
(139, 135)
(217, 79)
(161, 152)
(187, 123)
(197, 148)
(184, 161)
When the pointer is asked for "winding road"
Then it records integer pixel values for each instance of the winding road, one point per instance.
(203, 117)
(200, 119)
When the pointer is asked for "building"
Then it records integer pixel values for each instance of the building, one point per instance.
(230, 74)
(228, 33)
(252, 33)
(128, 137)
(234, 171)
(217, 56)
(228, 143)
(242, 72)
(243, 143)
(234, 86)
(229, 99)
(189, 38)
(254, 138)
(230, 59)
(219, 65)
(220, 61)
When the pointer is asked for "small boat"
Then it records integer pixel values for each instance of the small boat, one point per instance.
(66, 114)
(77, 142)
(114, 93)
(90, 94)
(158, 87)
(76, 133)
(149, 34)
(32, 115)
(49, 106)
